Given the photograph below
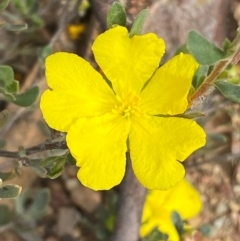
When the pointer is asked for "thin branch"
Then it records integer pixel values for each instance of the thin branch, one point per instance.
(209, 81)
(132, 197)
(46, 146)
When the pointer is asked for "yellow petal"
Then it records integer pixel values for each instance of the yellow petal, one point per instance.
(167, 91)
(156, 216)
(77, 91)
(183, 198)
(127, 62)
(99, 146)
(157, 143)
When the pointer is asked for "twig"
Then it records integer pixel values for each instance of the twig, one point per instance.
(46, 146)
(132, 197)
(209, 81)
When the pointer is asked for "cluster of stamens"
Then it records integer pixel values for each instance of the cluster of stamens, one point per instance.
(128, 105)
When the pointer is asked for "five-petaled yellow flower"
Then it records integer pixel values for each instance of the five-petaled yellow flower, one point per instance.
(159, 205)
(102, 123)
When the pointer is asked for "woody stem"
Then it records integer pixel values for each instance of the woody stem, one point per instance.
(132, 197)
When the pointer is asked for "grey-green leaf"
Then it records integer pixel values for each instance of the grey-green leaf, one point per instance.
(138, 23)
(205, 52)
(15, 27)
(44, 52)
(155, 235)
(36, 165)
(10, 191)
(200, 75)
(13, 87)
(4, 4)
(27, 98)
(39, 207)
(71, 160)
(228, 90)
(6, 75)
(49, 161)
(182, 49)
(7, 175)
(57, 169)
(178, 222)
(6, 215)
(116, 15)
(7, 96)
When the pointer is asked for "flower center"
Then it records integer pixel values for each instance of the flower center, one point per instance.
(128, 106)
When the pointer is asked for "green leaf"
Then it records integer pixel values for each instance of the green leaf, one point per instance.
(6, 215)
(182, 49)
(10, 191)
(32, 205)
(116, 15)
(13, 87)
(6, 75)
(8, 96)
(44, 53)
(4, 4)
(37, 21)
(21, 6)
(39, 206)
(15, 27)
(71, 160)
(138, 23)
(228, 90)
(156, 235)
(58, 168)
(227, 45)
(49, 161)
(7, 175)
(53, 165)
(28, 98)
(36, 165)
(200, 75)
(178, 222)
(205, 52)
(4, 116)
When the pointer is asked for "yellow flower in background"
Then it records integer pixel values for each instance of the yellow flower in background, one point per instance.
(75, 30)
(99, 120)
(159, 205)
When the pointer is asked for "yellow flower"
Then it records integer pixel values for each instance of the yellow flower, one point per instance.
(159, 205)
(100, 120)
(75, 30)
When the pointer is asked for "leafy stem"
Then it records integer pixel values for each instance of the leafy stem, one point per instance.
(218, 69)
(46, 146)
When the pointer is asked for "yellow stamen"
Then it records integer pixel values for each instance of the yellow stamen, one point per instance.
(128, 105)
